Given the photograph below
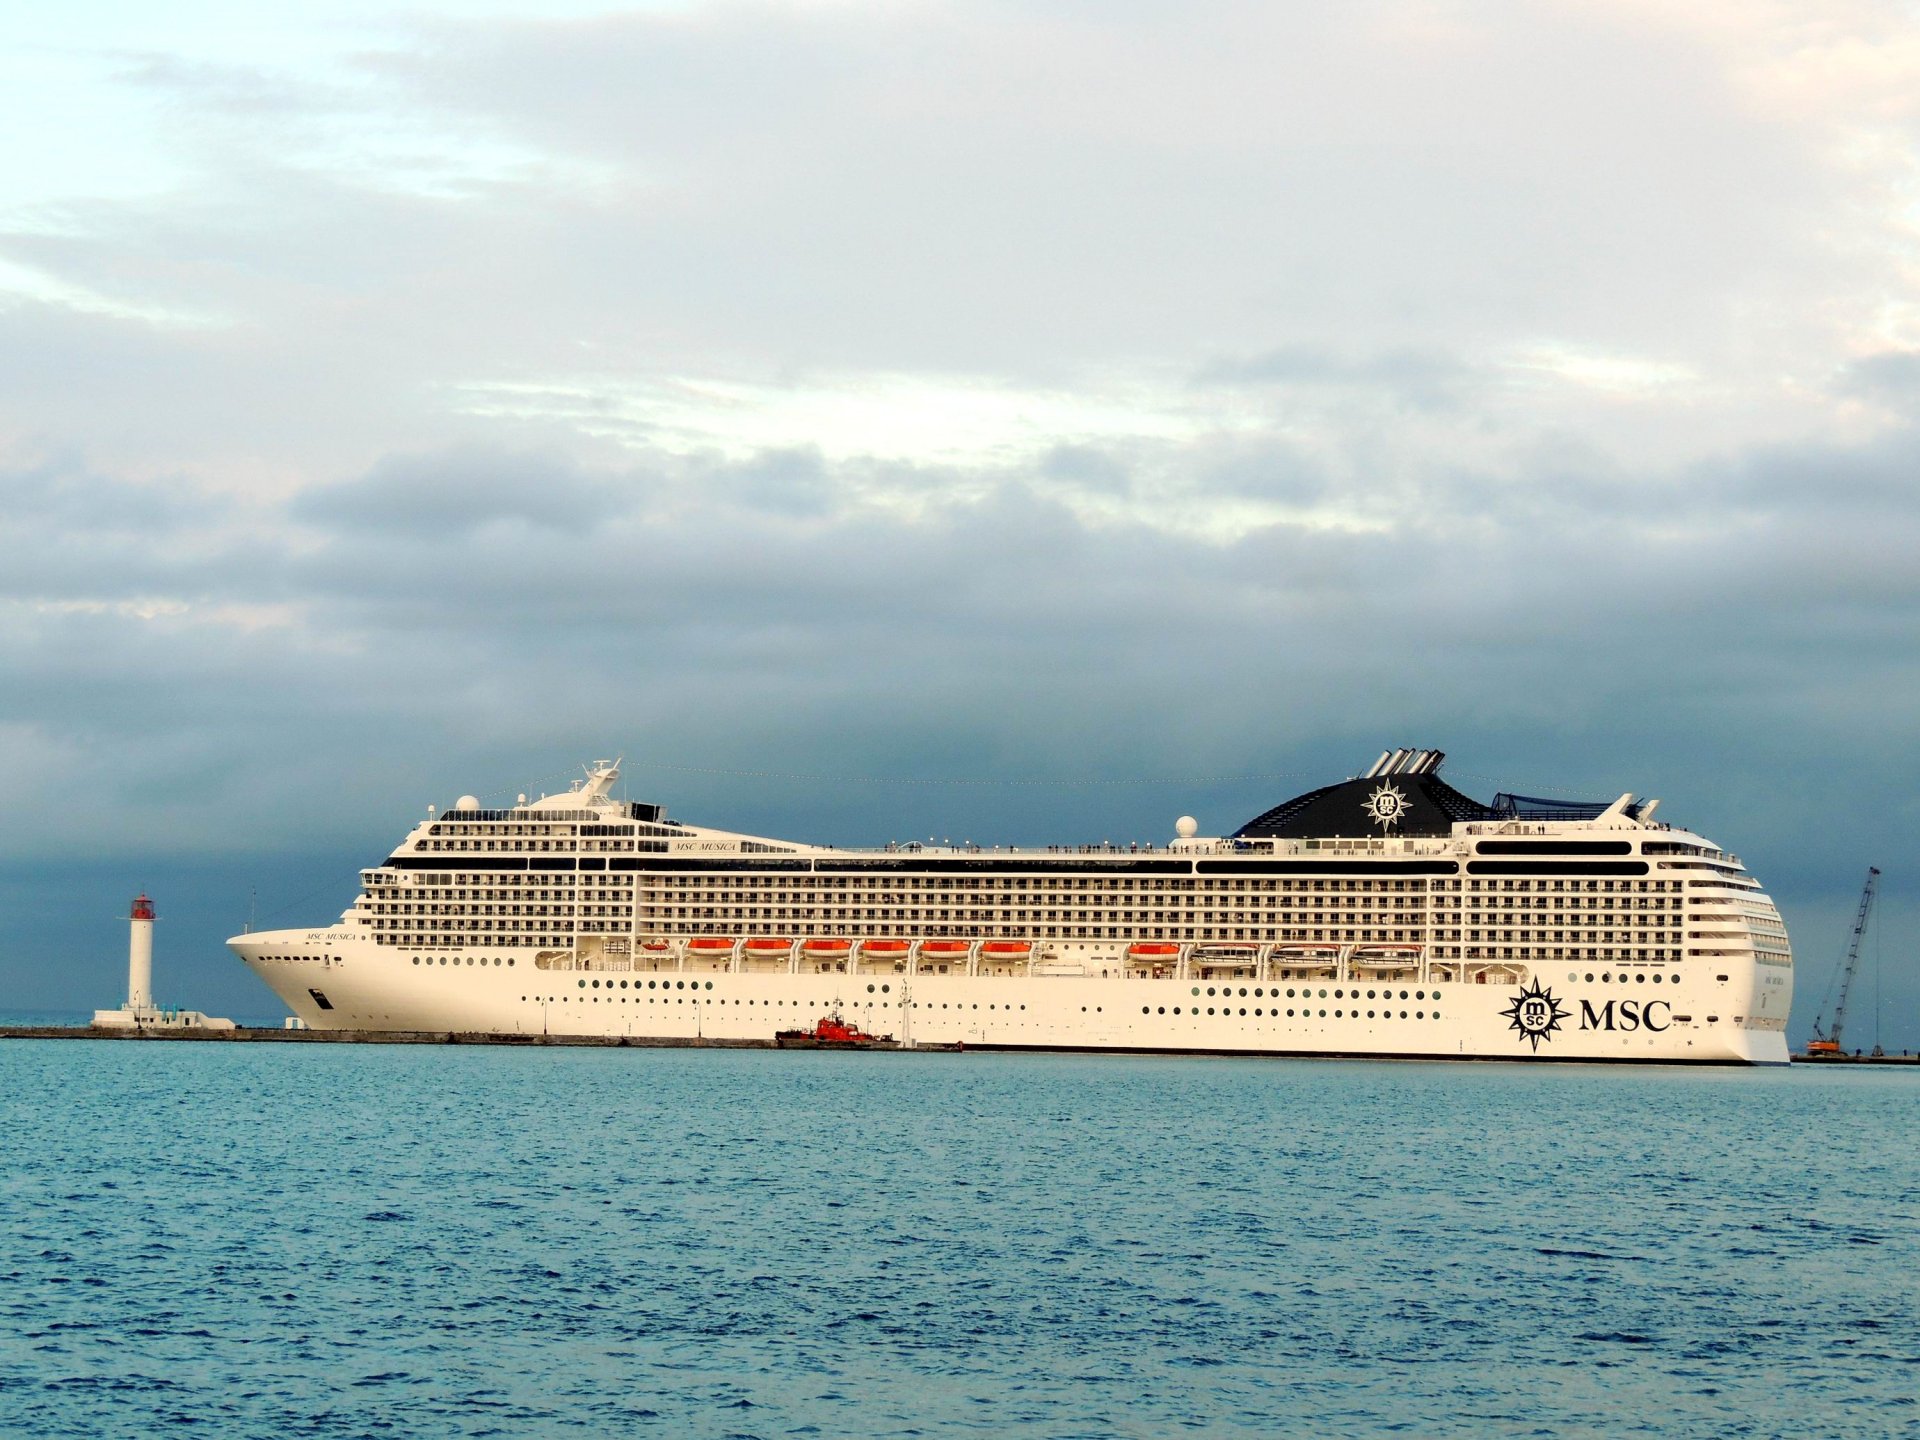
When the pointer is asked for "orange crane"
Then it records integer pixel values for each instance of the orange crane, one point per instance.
(1827, 1042)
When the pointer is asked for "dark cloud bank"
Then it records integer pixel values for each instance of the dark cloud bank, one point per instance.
(251, 696)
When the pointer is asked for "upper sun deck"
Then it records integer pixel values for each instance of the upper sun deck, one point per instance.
(1399, 809)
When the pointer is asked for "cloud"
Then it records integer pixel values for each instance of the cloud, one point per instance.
(459, 491)
(1891, 375)
(1412, 377)
(943, 390)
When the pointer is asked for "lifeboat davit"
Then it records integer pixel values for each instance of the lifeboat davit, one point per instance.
(1231, 951)
(1152, 950)
(1386, 957)
(1307, 957)
(1006, 950)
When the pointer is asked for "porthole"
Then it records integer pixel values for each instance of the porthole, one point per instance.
(416, 959)
(1176, 1009)
(1209, 989)
(884, 989)
(1196, 989)
(583, 984)
(1163, 1010)
(1209, 1009)
(709, 984)
(1144, 1009)
(1605, 978)
(1639, 979)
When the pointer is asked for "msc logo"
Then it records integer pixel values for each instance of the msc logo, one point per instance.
(1626, 1015)
(1535, 1014)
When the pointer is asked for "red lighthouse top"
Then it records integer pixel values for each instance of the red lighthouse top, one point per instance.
(142, 909)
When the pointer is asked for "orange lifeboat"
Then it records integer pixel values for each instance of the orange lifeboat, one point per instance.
(709, 945)
(826, 949)
(769, 948)
(1146, 950)
(888, 950)
(945, 949)
(660, 947)
(1006, 950)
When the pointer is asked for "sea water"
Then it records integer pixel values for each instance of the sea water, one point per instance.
(344, 1240)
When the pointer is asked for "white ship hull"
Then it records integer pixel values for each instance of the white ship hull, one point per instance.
(1700, 1019)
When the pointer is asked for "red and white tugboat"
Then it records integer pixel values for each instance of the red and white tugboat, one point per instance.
(833, 1033)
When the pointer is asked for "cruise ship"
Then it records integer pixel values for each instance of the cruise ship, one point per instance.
(1386, 915)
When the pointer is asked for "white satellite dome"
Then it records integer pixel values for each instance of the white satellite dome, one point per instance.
(1186, 827)
(466, 802)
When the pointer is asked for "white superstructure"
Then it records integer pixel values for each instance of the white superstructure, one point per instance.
(1386, 915)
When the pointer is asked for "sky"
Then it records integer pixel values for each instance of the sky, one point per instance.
(1019, 423)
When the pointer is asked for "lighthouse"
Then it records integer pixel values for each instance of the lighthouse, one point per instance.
(140, 1013)
(140, 955)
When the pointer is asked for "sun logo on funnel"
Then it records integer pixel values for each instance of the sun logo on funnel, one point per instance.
(1535, 1013)
(1386, 806)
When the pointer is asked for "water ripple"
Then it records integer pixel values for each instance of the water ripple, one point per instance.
(344, 1241)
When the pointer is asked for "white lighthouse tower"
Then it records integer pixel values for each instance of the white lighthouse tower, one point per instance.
(140, 1013)
(140, 956)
